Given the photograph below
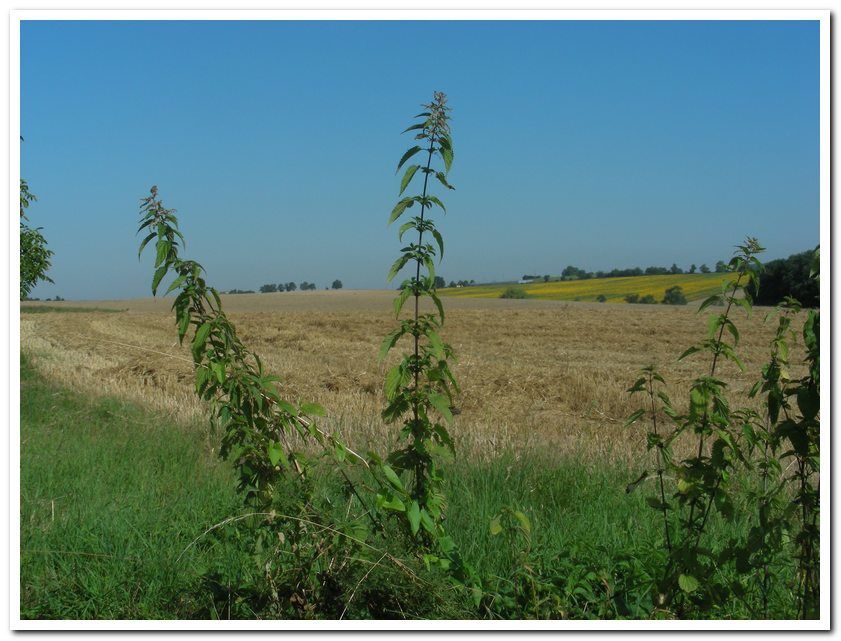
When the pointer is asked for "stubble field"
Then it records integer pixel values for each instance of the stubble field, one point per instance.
(546, 377)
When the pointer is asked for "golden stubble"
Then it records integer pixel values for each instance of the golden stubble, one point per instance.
(536, 376)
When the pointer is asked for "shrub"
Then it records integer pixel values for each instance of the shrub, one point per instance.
(788, 277)
(514, 292)
(648, 299)
(632, 298)
(601, 298)
(674, 296)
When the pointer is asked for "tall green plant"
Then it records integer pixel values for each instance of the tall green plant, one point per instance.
(690, 578)
(419, 388)
(264, 435)
(790, 438)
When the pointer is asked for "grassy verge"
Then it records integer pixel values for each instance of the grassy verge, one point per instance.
(110, 497)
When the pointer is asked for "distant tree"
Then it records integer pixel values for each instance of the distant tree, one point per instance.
(472, 282)
(788, 277)
(692, 268)
(281, 287)
(656, 271)
(632, 298)
(674, 269)
(514, 292)
(440, 283)
(268, 289)
(452, 283)
(648, 299)
(337, 284)
(720, 267)
(601, 298)
(291, 287)
(674, 296)
(574, 273)
(704, 269)
(306, 286)
(545, 278)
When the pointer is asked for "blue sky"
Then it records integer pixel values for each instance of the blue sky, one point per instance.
(597, 144)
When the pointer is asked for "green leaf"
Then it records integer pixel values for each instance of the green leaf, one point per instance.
(438, 239)
(312, 409)
(399, 208)
(401, 299)
(200, 338)
(443, 180)
(447, 155)
(441, 403)
(276, 453)
(391, 477)
(390, 503)
(687, 583)
(144, 243)
(413, 516)
(633, 418)
(411, 152)
(404, 228)
(399, 264)
(392, 381)
(689, 352)
(407, 177)
(496, 526)
(156, 279)
(524, 521)
(414, 127)
(176, 283)
(435, 199)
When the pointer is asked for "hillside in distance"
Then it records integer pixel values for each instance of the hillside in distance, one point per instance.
(695, 287)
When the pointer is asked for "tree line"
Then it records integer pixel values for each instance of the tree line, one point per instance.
(571, 272)
(271, 288)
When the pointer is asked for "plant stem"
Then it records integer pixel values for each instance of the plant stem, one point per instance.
(419, 466)
(659, 462)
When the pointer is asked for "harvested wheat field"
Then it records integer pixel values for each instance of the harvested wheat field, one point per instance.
(549, 376)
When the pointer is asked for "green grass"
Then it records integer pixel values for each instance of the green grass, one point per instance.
(110, 497)
(113, 494)
(48, 309)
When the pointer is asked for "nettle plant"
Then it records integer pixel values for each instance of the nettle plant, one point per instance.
(788, 437)
(268, 439)
(702, 481)
(419, 388)
(774, 455)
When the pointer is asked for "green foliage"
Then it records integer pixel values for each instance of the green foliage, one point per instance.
(337, 284)
(789, 278)
(266, 437)
(601, 298)
(514, 292)
(648, 299)
(674, 296)
(35, 258)
(731, 444)
(632, 298)
(420, 387)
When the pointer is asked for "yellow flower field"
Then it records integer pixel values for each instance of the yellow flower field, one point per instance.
(695, 287)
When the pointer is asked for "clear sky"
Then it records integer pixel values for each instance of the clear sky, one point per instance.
(597, 144)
